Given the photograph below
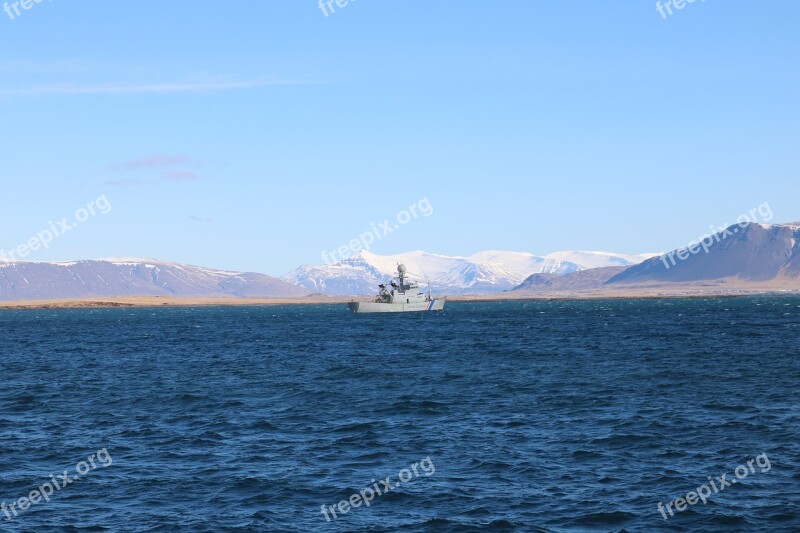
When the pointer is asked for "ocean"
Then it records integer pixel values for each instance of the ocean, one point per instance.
(490, 416)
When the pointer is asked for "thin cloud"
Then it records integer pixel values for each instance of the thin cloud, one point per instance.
(152, 162)
(129, 89)
(180, 175)
(177, 177)
(129, 181)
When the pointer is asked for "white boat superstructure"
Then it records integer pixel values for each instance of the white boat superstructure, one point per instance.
(404, 297)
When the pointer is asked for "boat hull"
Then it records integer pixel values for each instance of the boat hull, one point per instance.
(437, 304)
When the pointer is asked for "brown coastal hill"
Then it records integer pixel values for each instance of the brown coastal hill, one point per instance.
(747, 259)
(755, 253)
(574, 281)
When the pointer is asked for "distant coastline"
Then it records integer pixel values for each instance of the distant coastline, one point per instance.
(606, 294)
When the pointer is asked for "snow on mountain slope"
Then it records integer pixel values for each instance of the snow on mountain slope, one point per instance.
(35, 280)
(350, 276)
(480, 273)
(589, 260)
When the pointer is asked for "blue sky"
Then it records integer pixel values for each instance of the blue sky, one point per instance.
(254, 134)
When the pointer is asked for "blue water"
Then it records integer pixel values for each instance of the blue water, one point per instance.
(526, 416)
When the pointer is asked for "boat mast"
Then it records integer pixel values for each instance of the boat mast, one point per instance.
(401, 270)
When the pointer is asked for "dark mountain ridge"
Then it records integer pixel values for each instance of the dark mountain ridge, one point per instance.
(28, 280)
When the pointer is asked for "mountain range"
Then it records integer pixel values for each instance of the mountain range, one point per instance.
(741, 258)
(750, 257)
(480, 273)
(29, 280)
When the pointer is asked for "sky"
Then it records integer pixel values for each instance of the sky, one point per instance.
(254, 135)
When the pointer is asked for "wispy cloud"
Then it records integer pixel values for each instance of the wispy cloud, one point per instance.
(180, 175)
(129, 182)
(122, 182)
(152, 164)
(152, 161)
(134, 88)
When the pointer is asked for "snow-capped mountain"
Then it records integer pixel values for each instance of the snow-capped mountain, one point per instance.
(32, 280)
(480, 273)
(589, 260)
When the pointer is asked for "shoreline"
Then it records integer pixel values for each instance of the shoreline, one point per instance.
(162, 301)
